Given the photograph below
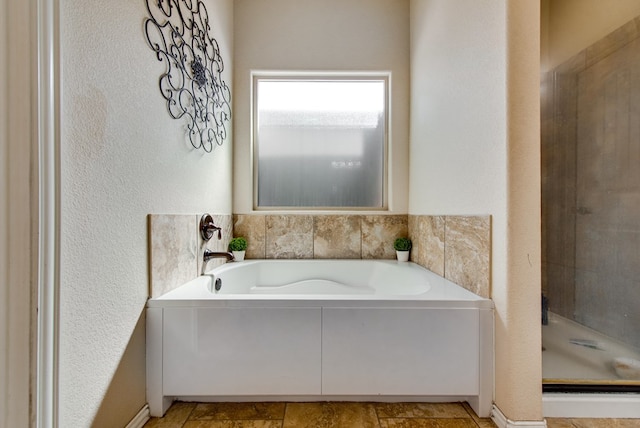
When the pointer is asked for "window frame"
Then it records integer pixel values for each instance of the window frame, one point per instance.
(257, 76)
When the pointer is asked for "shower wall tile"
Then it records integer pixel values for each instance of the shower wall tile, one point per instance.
(337, 237)
(597, 293)
(172, 251)
(289, 237)
(626, 262)
(225, 222)
(378, 234)
(559, 288)
(467, 252)
(545, 279)
(254, 229)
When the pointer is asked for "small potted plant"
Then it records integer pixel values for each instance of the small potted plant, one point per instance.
(238, 246)
(402, 247)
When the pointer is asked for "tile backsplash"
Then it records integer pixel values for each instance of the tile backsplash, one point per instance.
(455, 247)
(176, 249)
(298, 236)
(172, 251)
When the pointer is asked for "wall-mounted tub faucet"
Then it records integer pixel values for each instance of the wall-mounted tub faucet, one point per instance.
(207, 228)
(208, 255)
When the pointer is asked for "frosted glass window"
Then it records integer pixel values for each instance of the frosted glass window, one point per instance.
(320, 143)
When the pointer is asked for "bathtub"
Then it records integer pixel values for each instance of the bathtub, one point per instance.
(318, 330)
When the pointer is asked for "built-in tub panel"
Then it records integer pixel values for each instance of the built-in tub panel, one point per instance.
(408, 351)
(241, 351)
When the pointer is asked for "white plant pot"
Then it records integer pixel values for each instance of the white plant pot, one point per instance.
(238, 256)
(403, 256)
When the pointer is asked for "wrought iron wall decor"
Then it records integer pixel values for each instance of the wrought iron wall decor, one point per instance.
(179, 32)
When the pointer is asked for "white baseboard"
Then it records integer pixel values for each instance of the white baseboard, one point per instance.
(140, 419)
(502, 422)
(559, 405)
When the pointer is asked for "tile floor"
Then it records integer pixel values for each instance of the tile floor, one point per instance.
(345, 415)
(319, 415)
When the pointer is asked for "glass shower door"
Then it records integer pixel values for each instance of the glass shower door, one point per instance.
(591, 215)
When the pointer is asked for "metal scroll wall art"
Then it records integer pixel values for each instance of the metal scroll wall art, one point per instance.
(179, 32)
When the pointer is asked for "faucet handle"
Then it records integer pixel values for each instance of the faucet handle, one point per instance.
(207, 228)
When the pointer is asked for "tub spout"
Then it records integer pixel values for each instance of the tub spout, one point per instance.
(208, 255)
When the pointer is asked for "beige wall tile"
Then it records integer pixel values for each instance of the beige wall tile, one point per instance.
(427, 236)
(289, 237)
(413, 234)
(337, 237)
(173, 251)
(378, 234)
(253, 229)
(435, 244)
(467, 252)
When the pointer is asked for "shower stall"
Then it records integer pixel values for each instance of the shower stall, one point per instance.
(590, 148)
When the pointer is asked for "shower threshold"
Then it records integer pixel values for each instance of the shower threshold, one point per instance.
(583, 375)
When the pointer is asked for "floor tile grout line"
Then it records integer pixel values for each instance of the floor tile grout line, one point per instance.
(189, 415)
(284, 415)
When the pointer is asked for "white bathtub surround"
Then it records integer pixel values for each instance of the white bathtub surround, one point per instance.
(384, 330)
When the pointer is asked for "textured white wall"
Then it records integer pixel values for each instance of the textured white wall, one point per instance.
(462, 143)
(340, 35)
(458, 131)
(122, 157)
